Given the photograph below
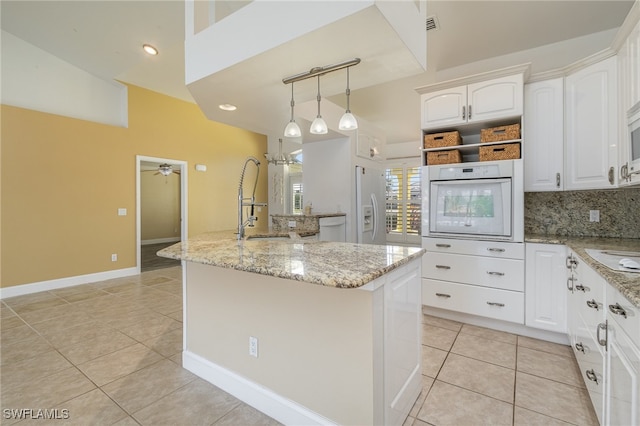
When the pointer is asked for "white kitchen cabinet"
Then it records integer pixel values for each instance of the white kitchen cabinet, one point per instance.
(544, 135)
(591, 126)
(483, 278)
(623, 396)
(478, 102)
(629, 94)
(587, 329)
(545, 290)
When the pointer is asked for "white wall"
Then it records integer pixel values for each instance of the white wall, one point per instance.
(34, 79)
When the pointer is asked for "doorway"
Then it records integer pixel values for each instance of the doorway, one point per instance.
(161, 209)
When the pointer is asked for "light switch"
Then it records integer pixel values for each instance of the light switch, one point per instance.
(122, 212)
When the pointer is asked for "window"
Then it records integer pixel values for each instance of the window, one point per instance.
(403, 204)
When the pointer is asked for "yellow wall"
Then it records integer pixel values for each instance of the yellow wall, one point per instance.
(64, 179)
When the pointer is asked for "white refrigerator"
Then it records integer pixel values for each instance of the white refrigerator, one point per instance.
(370, 205)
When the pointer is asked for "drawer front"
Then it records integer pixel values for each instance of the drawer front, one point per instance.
(487, 302)
(506, 274)
(591, 363)
(475, 248)
(626, 315)
(591, 288)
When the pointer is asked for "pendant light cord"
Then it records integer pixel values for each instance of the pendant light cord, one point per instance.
(348, 91)
(318, 96)
(293, 103)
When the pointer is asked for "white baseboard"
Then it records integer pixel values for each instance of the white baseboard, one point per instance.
(23, 289)
(275, 406)
(160, 240)
(509, 327)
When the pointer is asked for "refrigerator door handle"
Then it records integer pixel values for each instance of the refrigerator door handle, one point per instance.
(374, 203)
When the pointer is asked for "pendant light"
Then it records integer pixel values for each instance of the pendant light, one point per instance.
(292, 130)
(319, 127)
(348, 121)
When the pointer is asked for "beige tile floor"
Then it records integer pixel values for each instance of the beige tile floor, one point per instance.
(477, 376)
(109, 353)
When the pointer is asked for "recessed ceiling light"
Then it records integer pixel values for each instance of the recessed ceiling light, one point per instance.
(227, 107)
(150, 49)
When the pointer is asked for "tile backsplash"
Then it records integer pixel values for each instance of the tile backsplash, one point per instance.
(567, 213)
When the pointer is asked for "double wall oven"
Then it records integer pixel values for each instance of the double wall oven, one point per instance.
(481, 201)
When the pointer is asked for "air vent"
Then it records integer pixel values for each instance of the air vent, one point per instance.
(432, 23)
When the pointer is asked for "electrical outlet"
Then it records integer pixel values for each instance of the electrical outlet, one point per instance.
(114, 257)
(292, 224)
(253, 346)
(594, 215)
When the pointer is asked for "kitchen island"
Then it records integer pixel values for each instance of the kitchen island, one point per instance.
(308, 332)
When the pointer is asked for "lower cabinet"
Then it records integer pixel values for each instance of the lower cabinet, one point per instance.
(484, 278)
(623, 320)
(545, 290)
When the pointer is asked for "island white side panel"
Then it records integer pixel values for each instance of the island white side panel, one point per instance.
(315, 343)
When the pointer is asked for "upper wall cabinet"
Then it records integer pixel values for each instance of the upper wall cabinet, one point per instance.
(591, 126)
(629, 93)
(544, 135)
(473, 103)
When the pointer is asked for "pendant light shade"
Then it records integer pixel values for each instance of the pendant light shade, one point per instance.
(292, 130)
(348, 121)
(319, 127)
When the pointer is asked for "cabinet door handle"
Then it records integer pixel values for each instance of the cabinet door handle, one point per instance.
(593, 304)
(469, 112)
(618, 310)
(497, 274)
(445, 295)
(569, 262)
(557, 180)
(580, 347)
(464, 112)
(591, 375)
(495, 250)
(570, 284)
(602, 326)
(581, 288)
(443, 245)
(612, 175)
(443, 267)
(501, 305)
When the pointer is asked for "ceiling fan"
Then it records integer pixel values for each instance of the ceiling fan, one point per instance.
(164, 169)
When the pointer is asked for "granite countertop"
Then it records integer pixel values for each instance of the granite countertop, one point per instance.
(318, 215)
(627, 283)
(343, 265)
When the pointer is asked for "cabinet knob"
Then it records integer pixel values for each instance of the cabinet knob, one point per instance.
(593, 304)
(581, 288)
(618, 310)
(557, 180)
(591, 375)
(580, 347)
(495, 250)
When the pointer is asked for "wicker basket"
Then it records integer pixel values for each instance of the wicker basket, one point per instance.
(443, 157)
(507, 151)
(500, 133)
(438, 140)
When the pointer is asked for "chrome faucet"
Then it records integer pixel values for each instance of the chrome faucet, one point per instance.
(247, 202)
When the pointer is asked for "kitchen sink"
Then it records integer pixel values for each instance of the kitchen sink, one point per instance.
(612, 259)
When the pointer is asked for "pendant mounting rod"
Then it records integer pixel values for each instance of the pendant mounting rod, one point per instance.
(318, 71)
